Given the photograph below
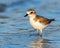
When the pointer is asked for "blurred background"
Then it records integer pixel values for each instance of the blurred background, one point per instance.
(16, 31)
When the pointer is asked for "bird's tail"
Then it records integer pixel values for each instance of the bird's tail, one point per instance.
(52, 19)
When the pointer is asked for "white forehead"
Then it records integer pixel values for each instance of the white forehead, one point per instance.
(28, 12)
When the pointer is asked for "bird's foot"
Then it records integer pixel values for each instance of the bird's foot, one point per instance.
(39, 34)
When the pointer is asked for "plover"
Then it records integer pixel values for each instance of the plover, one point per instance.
(38, 22)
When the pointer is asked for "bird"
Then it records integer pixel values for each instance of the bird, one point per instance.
(38, 22)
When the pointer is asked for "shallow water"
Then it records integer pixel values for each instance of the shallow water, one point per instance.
(16, 32)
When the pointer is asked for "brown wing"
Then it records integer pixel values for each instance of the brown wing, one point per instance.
(43, 20)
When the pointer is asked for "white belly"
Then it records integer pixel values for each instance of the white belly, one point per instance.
(37, 25)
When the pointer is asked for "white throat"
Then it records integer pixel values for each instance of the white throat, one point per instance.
(32, 16)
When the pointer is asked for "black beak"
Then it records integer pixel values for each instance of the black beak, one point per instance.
(26, 15)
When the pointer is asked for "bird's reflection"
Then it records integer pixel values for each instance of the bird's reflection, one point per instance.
(40, 43)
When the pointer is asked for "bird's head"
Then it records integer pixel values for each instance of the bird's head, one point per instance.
(30, 13)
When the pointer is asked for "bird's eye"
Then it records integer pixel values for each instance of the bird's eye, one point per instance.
(31, 12)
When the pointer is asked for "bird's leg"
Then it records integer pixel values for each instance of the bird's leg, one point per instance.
(40, 33)
(37, 30)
